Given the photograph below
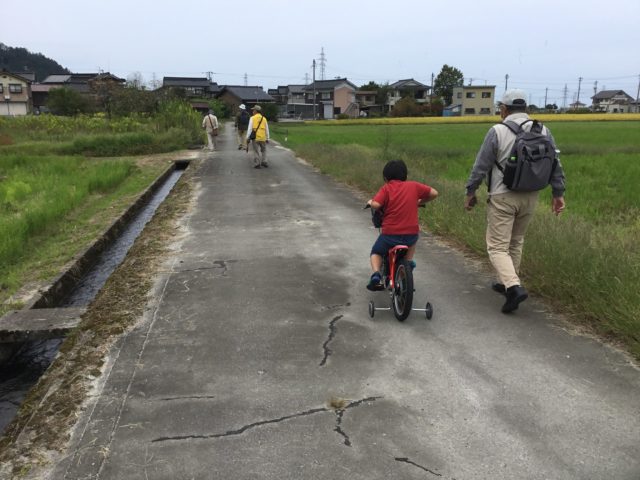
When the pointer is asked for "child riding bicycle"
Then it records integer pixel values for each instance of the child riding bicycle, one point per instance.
(399, 199)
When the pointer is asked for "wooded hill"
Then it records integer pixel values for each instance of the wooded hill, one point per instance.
(17, 60)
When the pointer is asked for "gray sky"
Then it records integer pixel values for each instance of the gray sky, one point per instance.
(540, 44)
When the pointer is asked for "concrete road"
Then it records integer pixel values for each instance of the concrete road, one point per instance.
(258, 360)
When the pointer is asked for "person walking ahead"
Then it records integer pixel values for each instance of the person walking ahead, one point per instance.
(242, 123)
(509, 212)
(258, 134)
(210, 124)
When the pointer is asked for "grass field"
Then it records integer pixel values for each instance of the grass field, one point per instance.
(64, 180)
(586, 262)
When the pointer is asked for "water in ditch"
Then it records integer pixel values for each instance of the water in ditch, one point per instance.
(32, 359)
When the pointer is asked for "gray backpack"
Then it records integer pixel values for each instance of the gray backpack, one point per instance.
(532, 160)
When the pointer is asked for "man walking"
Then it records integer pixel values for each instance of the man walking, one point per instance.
(258, 133)
(210, 124)
(509, 212)
(242, 123)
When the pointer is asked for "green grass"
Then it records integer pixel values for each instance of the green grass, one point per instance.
(586, 262)
(63, 180)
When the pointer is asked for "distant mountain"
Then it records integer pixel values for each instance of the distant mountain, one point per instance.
(18, 60)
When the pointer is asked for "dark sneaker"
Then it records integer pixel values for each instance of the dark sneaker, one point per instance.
(256, 166)
(498, 287)
(375, 282)
(265, 164)
(515, 295)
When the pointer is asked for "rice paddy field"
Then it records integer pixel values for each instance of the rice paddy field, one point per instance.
(586, 262)
(63, 180)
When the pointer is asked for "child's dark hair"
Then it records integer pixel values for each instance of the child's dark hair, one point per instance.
(395, 170)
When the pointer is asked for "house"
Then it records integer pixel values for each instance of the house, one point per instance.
(234, 95)
(612, 101)
(332, 98)
(15, 94)
(88, 83)
(473, 99)
(97, 86)
(577, 105)
(291, 101)
(407, 88)
(193, 86)
(366, 100)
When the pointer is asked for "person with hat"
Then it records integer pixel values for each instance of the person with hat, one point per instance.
(508, 212)
(210, 125)
(242, 123)
(258, 134)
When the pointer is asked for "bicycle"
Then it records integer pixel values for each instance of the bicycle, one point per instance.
(397, 279)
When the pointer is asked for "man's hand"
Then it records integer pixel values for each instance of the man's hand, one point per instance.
(470, 201)
(557, 205)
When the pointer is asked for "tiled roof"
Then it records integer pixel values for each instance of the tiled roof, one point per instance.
(248, 93)
(410, 82)
(609, 94)
(186, 82)
(57, 78)
(328, 84)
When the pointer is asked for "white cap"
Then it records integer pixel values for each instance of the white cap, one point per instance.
(242, 107)
(514, 97)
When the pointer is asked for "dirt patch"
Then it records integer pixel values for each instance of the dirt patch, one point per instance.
(44, 422)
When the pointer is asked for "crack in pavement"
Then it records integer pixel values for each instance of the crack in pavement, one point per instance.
(338, 429)
(241, 430)
(188, 397)
(406, 460)
(223, 264)
(339, 413)
(332, 333)
(335, 307)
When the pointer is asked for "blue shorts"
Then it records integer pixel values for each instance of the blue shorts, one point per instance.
(385, 242)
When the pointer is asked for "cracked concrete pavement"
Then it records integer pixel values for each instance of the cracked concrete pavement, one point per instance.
(257, 358)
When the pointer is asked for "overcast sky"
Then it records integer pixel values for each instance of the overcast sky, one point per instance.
(541, 44)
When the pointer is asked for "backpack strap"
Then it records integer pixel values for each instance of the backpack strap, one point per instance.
(515, 128)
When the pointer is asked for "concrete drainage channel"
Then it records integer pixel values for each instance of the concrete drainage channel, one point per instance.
(30, 338)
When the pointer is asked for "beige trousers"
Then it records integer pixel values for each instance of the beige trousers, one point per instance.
(211, 141)
(259, 152)
(242, 138)
(508, 216)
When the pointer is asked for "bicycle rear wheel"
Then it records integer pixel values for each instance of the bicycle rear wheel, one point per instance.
(402, 297)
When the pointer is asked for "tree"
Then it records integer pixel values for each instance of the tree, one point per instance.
(64, 101)
(128, 100)
(135, 80)
(370, 86)
(220, 109)
(448, 78)
(406, 107)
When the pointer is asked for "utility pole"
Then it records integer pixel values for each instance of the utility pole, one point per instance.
(638, 96)
(595, 88)
(506, 82)
(578, 97)
(470, 81)
(564, 97)
(246, 80)
(431, 93)
(209, 76)
(314, 88)
(323, 63)
(546, 91)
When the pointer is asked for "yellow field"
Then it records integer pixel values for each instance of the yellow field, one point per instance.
(544, 117)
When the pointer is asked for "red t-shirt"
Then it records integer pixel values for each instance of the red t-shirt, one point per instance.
(399, 201)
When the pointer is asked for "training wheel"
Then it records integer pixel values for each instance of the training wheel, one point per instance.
(372, 309)
(428, 311)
